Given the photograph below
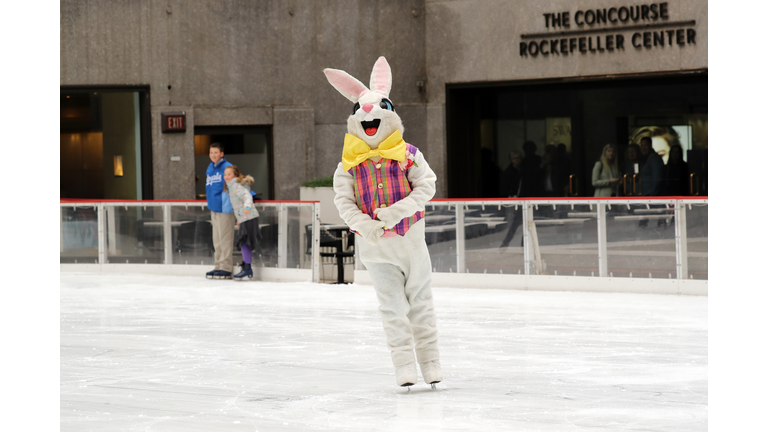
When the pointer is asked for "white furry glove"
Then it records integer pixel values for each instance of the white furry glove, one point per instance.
(393, 214)
(371, 230)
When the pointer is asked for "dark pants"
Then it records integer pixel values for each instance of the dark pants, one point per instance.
(516, 219)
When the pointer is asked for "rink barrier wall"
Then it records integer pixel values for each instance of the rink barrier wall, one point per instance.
(109, 233)
(591, 215)
(534, 274)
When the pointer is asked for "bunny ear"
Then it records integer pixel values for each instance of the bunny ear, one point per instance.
(346, 84)
(381, 77)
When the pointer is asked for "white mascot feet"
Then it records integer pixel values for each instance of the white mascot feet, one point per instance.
(431, 372)
(406, 375)
(382, 186)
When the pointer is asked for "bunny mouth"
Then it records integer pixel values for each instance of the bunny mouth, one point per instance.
(371, 127)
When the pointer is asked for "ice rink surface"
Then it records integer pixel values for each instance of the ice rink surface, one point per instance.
(164, 353)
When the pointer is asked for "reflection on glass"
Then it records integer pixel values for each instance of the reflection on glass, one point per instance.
(567, 240)
(493, 236)
(267, 256)
(440, 233)
(299, 236)
(192, 235)
(641, 241)
(135, 234)
(79, 235)
(698, 246)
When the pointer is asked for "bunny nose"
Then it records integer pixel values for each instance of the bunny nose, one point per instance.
(367, 107)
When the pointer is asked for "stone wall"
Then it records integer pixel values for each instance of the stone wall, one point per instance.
(248, 63)
(242, 62)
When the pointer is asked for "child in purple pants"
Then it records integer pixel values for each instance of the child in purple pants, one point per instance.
(248, 235)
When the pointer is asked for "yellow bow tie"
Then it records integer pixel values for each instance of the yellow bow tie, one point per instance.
(356, 151)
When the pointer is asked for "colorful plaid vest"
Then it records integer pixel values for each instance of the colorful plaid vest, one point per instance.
(383, 183)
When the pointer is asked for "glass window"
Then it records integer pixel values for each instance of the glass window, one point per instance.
(104, 142)
(567, 126)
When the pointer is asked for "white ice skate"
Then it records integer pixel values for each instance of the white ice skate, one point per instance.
(431, 372)
(406, 375)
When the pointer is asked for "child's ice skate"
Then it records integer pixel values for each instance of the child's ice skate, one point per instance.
(246, 272)
(406, 375)
(431, 372)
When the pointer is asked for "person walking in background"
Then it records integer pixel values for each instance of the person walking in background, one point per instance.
(548, 171)
(676, 173)
(530, 172)
(512, 176)
(238, 187)
(605, 174)
(631, 165)
(651, 172)
(512, 186)
(222, 214)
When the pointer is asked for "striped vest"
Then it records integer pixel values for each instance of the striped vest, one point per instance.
(383, 183)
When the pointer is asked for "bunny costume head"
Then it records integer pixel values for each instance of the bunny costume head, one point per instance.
(373, 117)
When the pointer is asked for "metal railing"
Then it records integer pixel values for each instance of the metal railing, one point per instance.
(626, 238)
(659, 238)
(180, 233)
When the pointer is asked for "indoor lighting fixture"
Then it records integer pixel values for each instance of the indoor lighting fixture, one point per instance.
(118, 166)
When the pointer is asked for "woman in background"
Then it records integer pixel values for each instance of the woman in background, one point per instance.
(605, 174)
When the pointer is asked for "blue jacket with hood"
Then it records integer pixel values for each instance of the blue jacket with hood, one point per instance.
(214, 187)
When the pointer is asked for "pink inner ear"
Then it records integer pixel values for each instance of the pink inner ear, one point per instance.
(381, 77)
(346, 83)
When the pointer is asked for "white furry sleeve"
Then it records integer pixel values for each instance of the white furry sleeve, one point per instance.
(344, 186)
(422, 180)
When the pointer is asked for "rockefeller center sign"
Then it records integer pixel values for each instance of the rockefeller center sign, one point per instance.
(644, 26)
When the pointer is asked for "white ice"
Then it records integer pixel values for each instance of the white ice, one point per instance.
(163, 353)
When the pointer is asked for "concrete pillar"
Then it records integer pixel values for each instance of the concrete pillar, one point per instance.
(436, 147)
(173, 179)
(294, 153)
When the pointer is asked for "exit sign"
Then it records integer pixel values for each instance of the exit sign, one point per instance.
(174, 122)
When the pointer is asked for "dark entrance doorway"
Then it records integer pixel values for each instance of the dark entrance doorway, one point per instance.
(105, 143)
(486, 124)
(247, 147)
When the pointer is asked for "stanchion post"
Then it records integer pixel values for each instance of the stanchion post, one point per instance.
(282, 236)
(460, 238)
(602, 245)
(167, 235)
(681, 240)
(316, 243)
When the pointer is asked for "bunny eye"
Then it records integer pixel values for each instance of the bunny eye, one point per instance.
(356, 107)
(386, 104)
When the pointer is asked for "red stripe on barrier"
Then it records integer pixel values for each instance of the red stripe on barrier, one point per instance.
(638, 198)
(68, 200)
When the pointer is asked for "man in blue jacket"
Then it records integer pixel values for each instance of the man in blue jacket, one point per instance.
(222, 214)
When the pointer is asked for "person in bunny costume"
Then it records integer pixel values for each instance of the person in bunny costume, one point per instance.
(382, 185)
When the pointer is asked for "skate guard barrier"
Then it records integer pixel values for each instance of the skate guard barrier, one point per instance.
(175, 237)
(633, 245)
(624, 244)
